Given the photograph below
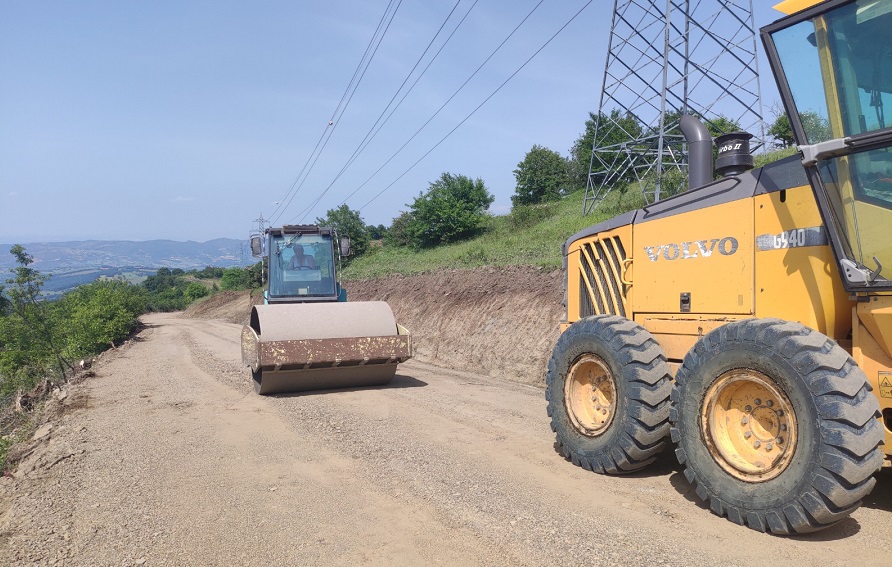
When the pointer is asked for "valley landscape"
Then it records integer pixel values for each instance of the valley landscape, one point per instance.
(70, 264)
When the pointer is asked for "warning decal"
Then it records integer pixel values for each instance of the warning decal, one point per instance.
(886, 384)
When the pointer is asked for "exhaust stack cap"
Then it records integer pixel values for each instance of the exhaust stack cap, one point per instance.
(734, 155)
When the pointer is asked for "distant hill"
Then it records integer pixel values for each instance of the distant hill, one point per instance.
(150, 254)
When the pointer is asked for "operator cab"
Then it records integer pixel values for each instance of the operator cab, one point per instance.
(302, 265)
(833, 64)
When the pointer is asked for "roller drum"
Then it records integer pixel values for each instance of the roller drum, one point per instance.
(312, 346)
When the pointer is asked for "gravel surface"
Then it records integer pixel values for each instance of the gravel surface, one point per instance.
(167, 457)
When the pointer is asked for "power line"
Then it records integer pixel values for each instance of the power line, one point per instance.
(429, 120)
(336, 119)
(479, 106)
(341, 108)
(370, 135)
(363, 144)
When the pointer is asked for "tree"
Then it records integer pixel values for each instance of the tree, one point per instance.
(234, 279)
(721, 124)
(347, 222)
(399, 233)
(168, 290)
(4, 303)
(453, 208)
(30, 337)
(377, 232)
(209, 272)
(817, 128)
(781, 131)
(541, 176)
(255, 274)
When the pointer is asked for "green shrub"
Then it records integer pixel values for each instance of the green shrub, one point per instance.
(97, 315)
(474, 256)
(195, 291)
(234, 279)
(452, 209)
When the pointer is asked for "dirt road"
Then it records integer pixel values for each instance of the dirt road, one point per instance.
(167, 457)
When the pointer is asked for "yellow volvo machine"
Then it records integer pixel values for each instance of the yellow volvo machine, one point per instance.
(749, 320)
(307, 336)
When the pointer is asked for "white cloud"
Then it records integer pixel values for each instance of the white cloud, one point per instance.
(182, 199)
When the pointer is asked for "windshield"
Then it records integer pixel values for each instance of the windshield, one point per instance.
(301, 265)
(838, 69)
(849, 50)
(860, 187)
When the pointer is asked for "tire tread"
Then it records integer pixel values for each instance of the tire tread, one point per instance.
(849, 430)
(648, 385)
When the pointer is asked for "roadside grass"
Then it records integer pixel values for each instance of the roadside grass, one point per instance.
(531, 235)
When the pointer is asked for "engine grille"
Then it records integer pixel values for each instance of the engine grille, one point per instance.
(601, 290)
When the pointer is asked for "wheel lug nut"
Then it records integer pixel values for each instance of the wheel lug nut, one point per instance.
(769, 447)
(779, 440)
(604, 412)
(757, 443)
(769, 403)
(747, 434)
(780, 413)
(757, 401)
(744, 420)
(748, 408)
(783, 427)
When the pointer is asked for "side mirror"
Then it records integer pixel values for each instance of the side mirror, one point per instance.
(256, 246)
(345, 246)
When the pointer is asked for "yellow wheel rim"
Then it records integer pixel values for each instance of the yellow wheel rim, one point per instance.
(590, 395)
(749, 425)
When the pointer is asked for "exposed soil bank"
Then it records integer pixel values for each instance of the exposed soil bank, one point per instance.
(502, 322)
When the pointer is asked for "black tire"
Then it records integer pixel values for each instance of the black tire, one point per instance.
(822, 468)
(638, 427)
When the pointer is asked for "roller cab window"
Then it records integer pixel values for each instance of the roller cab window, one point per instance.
(301, 265)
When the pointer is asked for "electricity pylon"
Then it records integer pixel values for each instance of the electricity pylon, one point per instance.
(668, 58)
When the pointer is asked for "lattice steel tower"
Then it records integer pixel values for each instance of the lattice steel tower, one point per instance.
(667, 58)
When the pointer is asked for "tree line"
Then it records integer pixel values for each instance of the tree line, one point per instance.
(43, 339)
(454, 206)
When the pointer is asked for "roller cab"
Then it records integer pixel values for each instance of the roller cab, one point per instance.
(307, 336)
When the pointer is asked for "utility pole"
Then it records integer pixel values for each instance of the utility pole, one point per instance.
(260, 225)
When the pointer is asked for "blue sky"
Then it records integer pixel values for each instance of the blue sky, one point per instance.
(185, 120)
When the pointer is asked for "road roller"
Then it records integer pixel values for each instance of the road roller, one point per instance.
(306, 335)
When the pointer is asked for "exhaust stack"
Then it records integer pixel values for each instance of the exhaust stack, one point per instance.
(699, 151)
